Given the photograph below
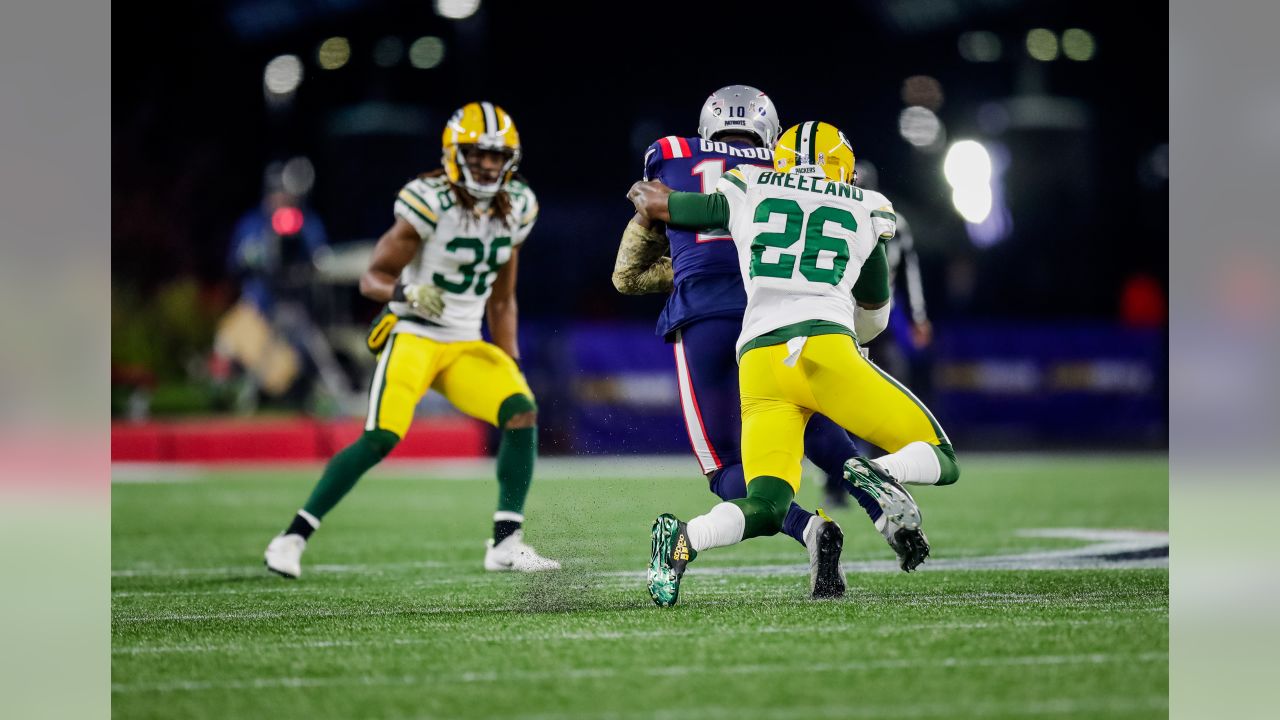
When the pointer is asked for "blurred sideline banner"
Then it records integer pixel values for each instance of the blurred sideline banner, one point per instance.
(991, 386)
(289, 439)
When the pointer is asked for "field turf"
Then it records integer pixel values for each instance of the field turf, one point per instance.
(395, 618)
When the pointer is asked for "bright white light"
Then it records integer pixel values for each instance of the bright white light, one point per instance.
(298, 176)
(457, 9)
(333, 53)
(282, 75)
(973, 202)
(968, 164)
(1078, 44)
(919, 126)
(426, 52)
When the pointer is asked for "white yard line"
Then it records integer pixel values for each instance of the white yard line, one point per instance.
(703, 672)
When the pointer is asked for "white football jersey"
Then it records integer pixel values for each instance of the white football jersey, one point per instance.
(801, 244)
(461, 253)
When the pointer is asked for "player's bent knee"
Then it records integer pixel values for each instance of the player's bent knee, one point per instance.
(950, 467)
(771, 498)
(381, 442)
(517, 412)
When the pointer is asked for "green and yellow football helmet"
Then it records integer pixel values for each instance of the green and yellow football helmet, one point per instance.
(815, 148)
(487, 127)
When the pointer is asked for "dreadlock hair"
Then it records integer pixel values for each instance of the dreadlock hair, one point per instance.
(500, 208)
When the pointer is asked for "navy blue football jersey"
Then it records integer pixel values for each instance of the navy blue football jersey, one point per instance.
(707, 280)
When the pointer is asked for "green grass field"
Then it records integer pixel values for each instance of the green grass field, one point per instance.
(395, 618)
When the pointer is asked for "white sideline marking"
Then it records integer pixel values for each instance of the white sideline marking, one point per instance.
(560, 675)
(1089, 557)
(625, 635)
(550, 469)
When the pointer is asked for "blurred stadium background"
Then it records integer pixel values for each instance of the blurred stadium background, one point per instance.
(257, 146)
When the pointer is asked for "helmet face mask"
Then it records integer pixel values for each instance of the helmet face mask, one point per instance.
(818, 149)
(739, 109)
(481, 149)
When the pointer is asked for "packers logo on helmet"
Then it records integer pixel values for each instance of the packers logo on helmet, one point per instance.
(485, 126)
(815, 148)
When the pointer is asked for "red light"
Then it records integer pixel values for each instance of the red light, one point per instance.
(286, 221)
(1142, 302)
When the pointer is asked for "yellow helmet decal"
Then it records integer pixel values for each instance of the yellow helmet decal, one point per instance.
(815, 147)
(487, 126)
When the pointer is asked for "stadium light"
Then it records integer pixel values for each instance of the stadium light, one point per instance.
(333, 53)
(388, 51)
(979, 46)
(298, 176)
(426, 52)
(281, 77)
(1078, 44)
(967, 168)
(1042, 45)
(457, 9)
(923, 90)
(919, 126)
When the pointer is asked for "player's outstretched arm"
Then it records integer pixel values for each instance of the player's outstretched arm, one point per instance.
(650, 199)
(501, 310)
(642, 265)
(394, 251)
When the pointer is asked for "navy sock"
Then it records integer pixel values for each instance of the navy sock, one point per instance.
(828, 446)
(728, 483)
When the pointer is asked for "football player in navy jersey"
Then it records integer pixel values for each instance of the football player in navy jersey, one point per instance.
(703, 317)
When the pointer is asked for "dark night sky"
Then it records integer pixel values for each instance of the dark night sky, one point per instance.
(590, 87)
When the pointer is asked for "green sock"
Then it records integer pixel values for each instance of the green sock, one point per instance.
(342, 472)
(765, 505)
(947, 462)
(517, 452)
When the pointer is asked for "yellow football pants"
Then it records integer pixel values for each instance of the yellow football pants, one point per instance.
(474, 375)
(831, 378)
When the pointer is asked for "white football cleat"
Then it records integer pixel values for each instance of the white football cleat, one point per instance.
(512, 554)
(284, 555)
(824, 540)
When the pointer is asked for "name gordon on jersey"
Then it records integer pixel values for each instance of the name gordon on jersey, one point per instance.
(813, 185)
(751, 153)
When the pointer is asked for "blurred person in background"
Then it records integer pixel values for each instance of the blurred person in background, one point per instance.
(266, 333)
(902, 350)
(703, 315)
(448, 262)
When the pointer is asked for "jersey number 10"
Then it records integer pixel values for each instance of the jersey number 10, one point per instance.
(814, 241)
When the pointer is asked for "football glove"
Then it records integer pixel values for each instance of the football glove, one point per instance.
(427, 299)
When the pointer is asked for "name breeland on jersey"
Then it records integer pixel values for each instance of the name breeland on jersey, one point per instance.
(813, 185)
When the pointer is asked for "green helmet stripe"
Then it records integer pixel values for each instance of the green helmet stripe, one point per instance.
(813, 143)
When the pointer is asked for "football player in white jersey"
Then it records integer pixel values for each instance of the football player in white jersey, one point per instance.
(448, 262)
(811, 253)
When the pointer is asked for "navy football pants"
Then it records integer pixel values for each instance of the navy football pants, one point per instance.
(707, 372)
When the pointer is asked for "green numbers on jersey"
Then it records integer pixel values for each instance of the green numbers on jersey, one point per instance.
(814, 241)
(474, 247)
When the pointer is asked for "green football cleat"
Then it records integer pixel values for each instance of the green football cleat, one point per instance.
(671, 554)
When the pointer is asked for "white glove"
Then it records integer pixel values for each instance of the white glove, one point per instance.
(427, 299)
